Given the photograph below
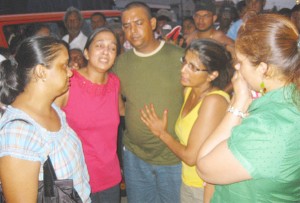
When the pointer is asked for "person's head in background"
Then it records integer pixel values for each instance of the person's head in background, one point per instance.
(98, 19)
(227, 15)
(163, 22)
(73, 21)
(39, 29)
(188, 25)
(295, 16)
(77, 59)
(117, 28)
(269, 44)
(287, 12)
(241, 8)
(205, 15)
(255, 5)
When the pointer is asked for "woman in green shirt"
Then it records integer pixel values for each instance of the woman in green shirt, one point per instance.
(254, 153)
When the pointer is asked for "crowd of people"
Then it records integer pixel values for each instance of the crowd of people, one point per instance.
(210, 114)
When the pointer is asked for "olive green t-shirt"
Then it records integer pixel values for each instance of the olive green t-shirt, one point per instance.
(146, 79)
(267, 144)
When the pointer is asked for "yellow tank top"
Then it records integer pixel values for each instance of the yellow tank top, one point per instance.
(183, 128)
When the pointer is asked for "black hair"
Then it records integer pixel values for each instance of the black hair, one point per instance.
(285, 12)
(99, 14)
(189, 18)
(5, 52)
(296, 8)
(214, 57)
(96, 32)
(163, 18)
(240, 6)
(33, 28)
(139, 4)
(15, 73)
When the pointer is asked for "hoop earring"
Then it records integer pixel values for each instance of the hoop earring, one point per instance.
(263, 89)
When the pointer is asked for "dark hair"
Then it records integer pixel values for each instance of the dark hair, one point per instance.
(138, 4)
(99, 14)
(241, 6)
(15, 73)
(226, 7)
(96, 32)
(189, 18)
(206, 5)
(163, 18)
(214, 57)
(33, 28)
(5, 52)
(71, 10)
(285, 12)
(274, 40)
(296, 8)
(251, 1)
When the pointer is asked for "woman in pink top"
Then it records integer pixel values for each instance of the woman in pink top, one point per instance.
(92, 110)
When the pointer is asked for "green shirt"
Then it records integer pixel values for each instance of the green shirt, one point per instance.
(155, 79)
(267, 144)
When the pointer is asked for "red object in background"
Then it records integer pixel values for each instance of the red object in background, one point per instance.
(174, 33)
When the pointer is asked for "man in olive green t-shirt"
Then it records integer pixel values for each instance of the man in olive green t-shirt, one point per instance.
(150, 73)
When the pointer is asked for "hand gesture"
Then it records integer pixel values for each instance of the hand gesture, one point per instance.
(242, 93)
(156, 125)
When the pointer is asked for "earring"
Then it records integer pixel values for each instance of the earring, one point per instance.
(263, 89)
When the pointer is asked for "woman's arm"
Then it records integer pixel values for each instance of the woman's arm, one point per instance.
(19, 179)
(210, 114)
(209, 190)
(216, 164)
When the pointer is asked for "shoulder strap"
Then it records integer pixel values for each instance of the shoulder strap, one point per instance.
(16, 119)
(49, 178)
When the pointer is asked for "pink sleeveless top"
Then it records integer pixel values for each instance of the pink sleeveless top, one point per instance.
(92, 111)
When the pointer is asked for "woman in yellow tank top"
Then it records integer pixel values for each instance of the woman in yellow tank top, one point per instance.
(206, 70)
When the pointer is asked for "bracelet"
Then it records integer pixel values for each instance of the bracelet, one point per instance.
(236, 112)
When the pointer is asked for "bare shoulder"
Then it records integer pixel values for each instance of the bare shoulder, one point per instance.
(222, 38)
(191, 37)
(215, 99)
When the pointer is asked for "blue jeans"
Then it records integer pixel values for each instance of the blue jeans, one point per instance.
(110, 195)
(150, 183)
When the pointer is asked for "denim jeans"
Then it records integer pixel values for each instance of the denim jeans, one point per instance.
(110, 195)
(146, 183)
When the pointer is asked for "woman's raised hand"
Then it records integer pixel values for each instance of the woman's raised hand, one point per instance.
(157, 125)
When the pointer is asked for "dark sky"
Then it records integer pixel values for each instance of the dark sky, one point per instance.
(31, 6)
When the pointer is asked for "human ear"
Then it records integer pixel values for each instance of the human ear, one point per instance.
(39, 72)
(86, 54)
(212, 76)
(262, 68)
(153, 23)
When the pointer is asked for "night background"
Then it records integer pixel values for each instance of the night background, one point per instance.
(33, 6)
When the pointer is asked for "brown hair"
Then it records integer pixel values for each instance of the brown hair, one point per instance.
(273, 39)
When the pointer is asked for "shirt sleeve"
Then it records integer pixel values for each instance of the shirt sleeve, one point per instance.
(257, 145)
(21, 140)
(233, 30)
